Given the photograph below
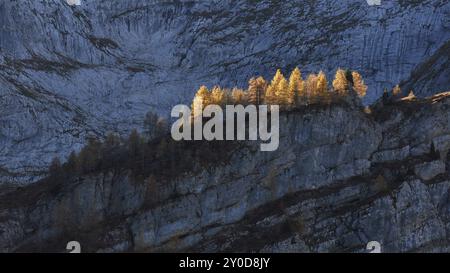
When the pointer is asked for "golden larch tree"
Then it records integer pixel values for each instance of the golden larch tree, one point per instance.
(397, 90)
(277, 78)
(358, 84)
(270, 96)
(239, 96)
(272, 90)
(322, 87)
(282, 92)
(201, 100)
(217, 96)
(311, 88)
(256, 90)
(340, 82)
(296, 87)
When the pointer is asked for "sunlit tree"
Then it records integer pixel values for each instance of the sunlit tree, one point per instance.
(239, 96)
(396, 91)
(227, 98)
(256, 90)
(201, 100)
(272, 89)
(411, 94)
(311, 88)
(296, 87)
(277, 78)
(282, 92)
(322, 87)
(275, 83)
(340, 82)
(270, 96)
(217, 96)
(358, 84)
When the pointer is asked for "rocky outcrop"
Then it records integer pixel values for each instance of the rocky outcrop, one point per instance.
(68, 72)
(429, 170)
(341, 178)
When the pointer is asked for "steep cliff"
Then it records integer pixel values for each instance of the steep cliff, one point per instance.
(342, 177)
(71, 71)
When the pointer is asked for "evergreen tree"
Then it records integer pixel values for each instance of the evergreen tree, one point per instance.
(134, 144)
(109, 150)
(162, 127)
(72, 166)
(150, 125)
(90, 155)
(55, 167)
(385, 97)
(112, 140)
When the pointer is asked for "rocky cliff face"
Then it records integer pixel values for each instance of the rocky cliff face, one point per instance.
(342, 177)
(71, 71)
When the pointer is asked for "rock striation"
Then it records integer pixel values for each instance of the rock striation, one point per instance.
(72, 71)
(342, 177)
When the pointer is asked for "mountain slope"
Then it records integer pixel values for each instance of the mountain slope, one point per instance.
(72, 71)
(340, 179)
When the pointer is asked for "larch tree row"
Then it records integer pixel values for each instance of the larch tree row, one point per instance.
(288, 93)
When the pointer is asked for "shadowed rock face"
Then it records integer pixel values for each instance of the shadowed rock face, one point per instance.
(72, 71)
(340, 179)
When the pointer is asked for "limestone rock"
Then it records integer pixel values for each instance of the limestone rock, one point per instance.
(104, 64)
(323, 190)
(429, 170)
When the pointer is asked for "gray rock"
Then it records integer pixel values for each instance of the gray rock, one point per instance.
(442, 145)
(429, 170)
(102, 65)
(391, 155)
(321, 191)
